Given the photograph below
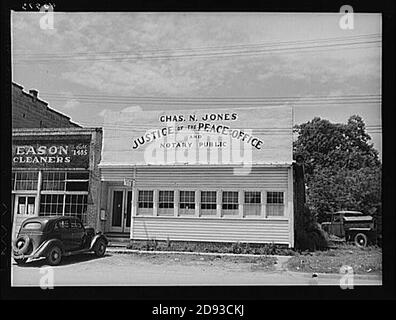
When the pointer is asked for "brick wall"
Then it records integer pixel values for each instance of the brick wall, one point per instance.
(94, 197)
(29, 111)
(95, 147)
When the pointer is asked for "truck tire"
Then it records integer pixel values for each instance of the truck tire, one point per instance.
(361, 240)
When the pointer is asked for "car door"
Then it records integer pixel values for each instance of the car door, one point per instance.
(78, 234)
(64, 232)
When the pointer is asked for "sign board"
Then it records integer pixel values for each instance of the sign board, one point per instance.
(128, 182)
(206, 136)
(50, 152)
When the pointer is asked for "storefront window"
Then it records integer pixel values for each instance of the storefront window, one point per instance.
(64, 193)
(145, 202)
(76, 205)
(51, 204)
(252, 203)
(208, 203)
(187, 203)
(54, 181)
(230, 205)
(166, 203)
(25, 180)
(65, 181)
(275, 203)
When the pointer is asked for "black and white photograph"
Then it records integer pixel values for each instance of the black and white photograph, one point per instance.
(196, 149)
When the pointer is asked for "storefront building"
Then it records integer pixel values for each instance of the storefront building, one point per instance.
(205, 175)
(55, 172)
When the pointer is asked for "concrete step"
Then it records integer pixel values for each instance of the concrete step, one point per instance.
(117, 240)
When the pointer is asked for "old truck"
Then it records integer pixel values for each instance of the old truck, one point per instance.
(351, 226)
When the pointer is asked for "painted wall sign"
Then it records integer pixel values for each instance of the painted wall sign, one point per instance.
(205, 136)
(42, 152)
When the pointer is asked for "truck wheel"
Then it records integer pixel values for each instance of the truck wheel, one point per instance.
(54, 256)
(361, 240)
(100, 248)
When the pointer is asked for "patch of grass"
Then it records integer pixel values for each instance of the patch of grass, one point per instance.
(236, 248)
(363, 260)
(259, 263)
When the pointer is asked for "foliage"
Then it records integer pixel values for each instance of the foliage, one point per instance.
(342, 169)
(308, 234)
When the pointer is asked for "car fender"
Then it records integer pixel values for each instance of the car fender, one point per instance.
(96, 238)
(43, 249)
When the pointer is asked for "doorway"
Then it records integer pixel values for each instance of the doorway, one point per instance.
(121, 208)
(24, 207)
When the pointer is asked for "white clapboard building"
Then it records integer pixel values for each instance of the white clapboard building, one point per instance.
(207, 175)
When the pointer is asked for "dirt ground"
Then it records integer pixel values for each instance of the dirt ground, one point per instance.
(115, 269)
(362, 260)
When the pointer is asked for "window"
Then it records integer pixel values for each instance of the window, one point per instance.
(166, 203)
(32, 226)
(26, 205)
(75, 224)
(63, 224)
(187, 203)
(145, 202)
(65, 181)
(54, 181)
(208, 203)
(230, 204)
(252, 203)
(51, 204)
(76, 205)
(25, 180)
(275, 204)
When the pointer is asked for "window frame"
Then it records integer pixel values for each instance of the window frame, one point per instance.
(172, 209)
(223, 213)
(145, 211)
(260, 204)
(284, 204)
(184, 211)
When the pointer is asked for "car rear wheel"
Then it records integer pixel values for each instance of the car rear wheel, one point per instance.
(100, 248)
(361, 240)
(54, 256)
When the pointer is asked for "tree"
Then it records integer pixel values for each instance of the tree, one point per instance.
(342, 169)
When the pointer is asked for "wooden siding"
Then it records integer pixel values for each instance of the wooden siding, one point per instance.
(211, 230)
(198, 177)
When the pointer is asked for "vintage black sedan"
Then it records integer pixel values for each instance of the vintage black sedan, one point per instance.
(54, 237)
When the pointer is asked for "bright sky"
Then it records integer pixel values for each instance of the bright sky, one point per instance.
(78, 66)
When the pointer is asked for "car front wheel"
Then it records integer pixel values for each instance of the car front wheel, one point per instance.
(100, 248)
(361, 240)
(54, 256)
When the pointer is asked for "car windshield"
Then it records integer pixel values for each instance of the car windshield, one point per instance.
(32, 226)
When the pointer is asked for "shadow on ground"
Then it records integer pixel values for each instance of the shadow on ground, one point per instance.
(65, 260)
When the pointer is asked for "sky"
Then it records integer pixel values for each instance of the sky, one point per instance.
(89, 63)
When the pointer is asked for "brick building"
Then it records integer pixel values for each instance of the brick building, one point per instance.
(29, 111)
(54, 163)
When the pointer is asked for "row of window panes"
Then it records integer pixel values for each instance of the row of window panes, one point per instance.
(59, 204)
(208, 204)
(51, 180)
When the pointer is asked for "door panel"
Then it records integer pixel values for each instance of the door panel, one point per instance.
(121, 209)
(24, 208)
(117, 210)
(127, 220)
(78, 235)
(65, 233)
